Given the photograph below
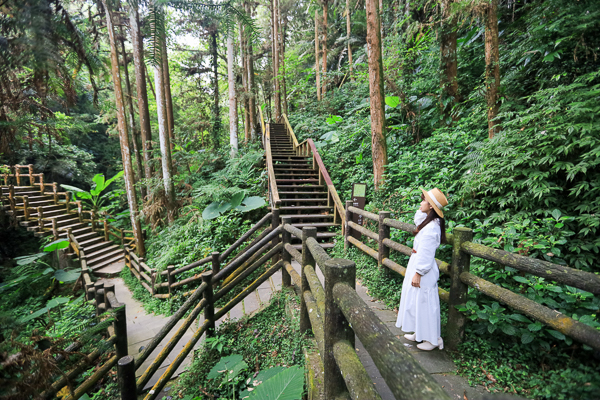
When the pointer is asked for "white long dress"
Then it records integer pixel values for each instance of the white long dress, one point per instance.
(419, 310)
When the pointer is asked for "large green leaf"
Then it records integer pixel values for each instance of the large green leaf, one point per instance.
(215, 209)
(237, 198)
(262, 376)
(24, 260)
(114, 178)
(234, 362)
(56, 245)
(286, 385)
(67, 276)
(79, 193)
(34, 315)
(251, 203)
(56, 301)
(100, 184)
(392, 101)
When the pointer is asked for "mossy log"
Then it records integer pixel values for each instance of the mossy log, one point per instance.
(315, 287)
(554, 319)
(364, 213)
(358, 381)
(363, 230)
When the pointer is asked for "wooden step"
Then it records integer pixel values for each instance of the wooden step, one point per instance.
(96, 247)
(89, 242)
(296, 180)
(103, 254)
(107, 262)
(315, 224)
(106, 259)
(301, 187)
(305, 208)
(307, 216)
(302, 200)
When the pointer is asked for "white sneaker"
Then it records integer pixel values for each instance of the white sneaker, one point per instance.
(412, 338)
(427, 346)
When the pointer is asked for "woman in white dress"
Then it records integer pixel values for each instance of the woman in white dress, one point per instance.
(419, 310)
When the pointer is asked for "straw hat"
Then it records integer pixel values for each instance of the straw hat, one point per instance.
(436, 199)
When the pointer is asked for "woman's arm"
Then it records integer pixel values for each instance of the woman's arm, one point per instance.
(425, 253)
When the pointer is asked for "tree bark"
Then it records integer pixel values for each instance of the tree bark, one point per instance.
(492, 66)
(449, 62)
(324, 44)
(233, 116)
(216, 111)
(317, 67)
(123, 136)
(348, 33)
(131, 115)
(276, 60)
(244, 57)
(168, 99)
(251, 85)
(142, 93)
(282, 59)
(378, 128)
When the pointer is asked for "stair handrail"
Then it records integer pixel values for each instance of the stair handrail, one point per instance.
(262, 125)
(308, 148)
(273, 193)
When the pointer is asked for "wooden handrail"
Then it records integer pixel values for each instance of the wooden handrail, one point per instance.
(275, 201)
(287, 122)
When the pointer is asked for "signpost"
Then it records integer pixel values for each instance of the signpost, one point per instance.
(359, 199)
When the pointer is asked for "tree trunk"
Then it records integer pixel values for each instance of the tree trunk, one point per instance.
(324, 44)
(244, 96)
(251, 85)
(492, 66)
(233, 116)
(216, 111)
(277, 87)
(317, 67)
(378, 129)
(348, 33)
(123, 136)
(449, 62)
(131, 115)
(282, 61)
(142, 94)
(168, 99)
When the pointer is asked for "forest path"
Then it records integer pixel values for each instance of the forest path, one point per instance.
(143, 326)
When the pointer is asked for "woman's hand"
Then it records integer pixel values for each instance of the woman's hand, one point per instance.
(416, 280)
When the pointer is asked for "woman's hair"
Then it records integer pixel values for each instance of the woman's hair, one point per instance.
(430, 217)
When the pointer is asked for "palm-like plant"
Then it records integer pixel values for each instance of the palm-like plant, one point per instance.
(94, 197)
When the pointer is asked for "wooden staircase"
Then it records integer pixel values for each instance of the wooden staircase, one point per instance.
(99, 252)
(302, 193)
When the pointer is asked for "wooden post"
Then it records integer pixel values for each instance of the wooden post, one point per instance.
(153, 282)
(18, 176)
(31, 178)
(307, 259)
(99, 296)
(170, 276)
(335, 325)
(126, 377)
(120, 326)
(109, 287)
(209, 308)
(69, 231)
(123, 237)
(55, 228)
(455, 329)
(68, 201)
(55, 192)
(216, 265)
(384, 233)
(93, 220)
(42, 185)
(286, 237)
(80, 210)
(347, 229)
(274, 224)
(40, 211)
(89, 291)
(11, 198)
(26, 207)
(106, 237)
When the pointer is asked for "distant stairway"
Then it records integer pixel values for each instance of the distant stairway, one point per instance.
(55, 215)
(303, 195)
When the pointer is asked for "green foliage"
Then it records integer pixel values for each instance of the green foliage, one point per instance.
(94, 197)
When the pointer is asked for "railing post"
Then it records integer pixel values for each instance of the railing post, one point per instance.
(216, 265)
(42, 186)
(347, 229)
(93, 220)
(286, 238)
(99, 296)
(26, 207)
(18, 176)
(126, 377)
(384, 233)
(335, 325)
(68, 201)
(153, 282)
(55, 192)
(274, 224)
(80, 211)
(55, 228)
(69, 230)
(40, 211)
(120, 326)
(122, 237)
(106, 238)
(209, 308)
(11, 199)
(170, 276)
(455, 328)
(109, 287)
(307, 259)
(31, 180)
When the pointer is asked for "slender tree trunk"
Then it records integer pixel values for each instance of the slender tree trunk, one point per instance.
(378, 128)
(216, 111)
(276, 60)
(168, 99)
(131, 115)
(142, 93)
(282, 27)
(324, 44)
(243, 57)
(449, 62)
(492, 66)
(348, 34)
(381, 18)
(233, 116)
(251, 85)
(317, 67)
(123, 136)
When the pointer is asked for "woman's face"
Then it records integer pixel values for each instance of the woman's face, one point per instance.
(425, 207)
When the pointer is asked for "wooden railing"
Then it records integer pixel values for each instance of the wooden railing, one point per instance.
(102, 296)
(458, 270)
(273, 192)
(170, 281)
(307, 148)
